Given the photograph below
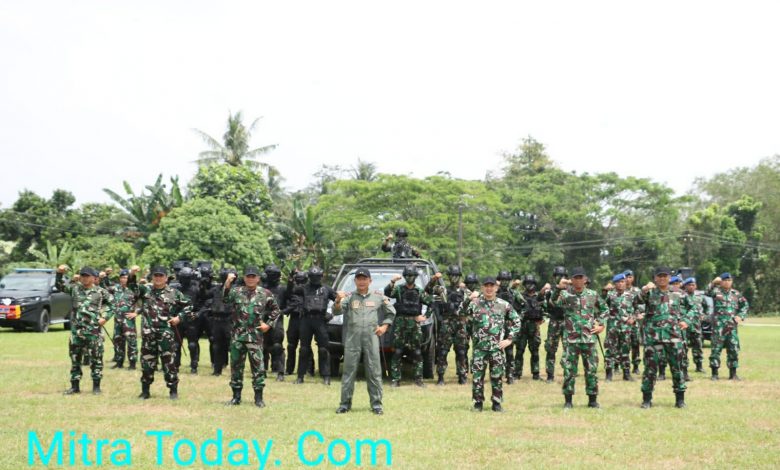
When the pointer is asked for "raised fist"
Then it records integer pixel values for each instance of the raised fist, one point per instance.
(396, 278)
(135, 268)
(717, 281)
(437, 276)
(609, 286)
(62, 268)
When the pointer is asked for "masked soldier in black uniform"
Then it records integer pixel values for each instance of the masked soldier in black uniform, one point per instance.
(315, 310)
(187, 284)
(294, 309)
(452, 332)
(219, 314)
(555, 327)
(530, 310)
(401, 248)
(273, 338)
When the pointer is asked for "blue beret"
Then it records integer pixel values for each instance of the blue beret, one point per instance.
(725, 276)
(628, 272)
(675, 279)
(619, 277)
(689, 280)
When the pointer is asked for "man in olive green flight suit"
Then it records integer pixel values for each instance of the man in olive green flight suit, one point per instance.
(363, 327)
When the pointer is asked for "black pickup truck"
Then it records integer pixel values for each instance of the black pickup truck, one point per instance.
(29, 298)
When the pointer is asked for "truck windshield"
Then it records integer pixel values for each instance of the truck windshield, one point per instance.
(379, 279)
(21, 281)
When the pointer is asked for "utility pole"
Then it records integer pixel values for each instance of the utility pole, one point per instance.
(460, 235)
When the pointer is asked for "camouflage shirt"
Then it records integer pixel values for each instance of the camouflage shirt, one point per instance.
(580, 313)
(124, 301)
(622, 307)
(486, 321)
(695, 308)
(157, 306)
(640, 307)
(728, 303)
(87, 306)
(663, 313)
(250, 308)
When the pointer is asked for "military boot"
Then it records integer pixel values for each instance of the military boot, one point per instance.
(478, 406)
(236, 400)
(636, 369)
(174, 392)
(144, 392)
(96, 387)
(131, 366)
(536, 376)
(419, 382)
(440, 382)
(714, 373)
(627, 375)
(698, 367)
(662, 373)
(259, 398)
(74, 388)
(497, 407)
(118, 365)
(679, 400)
(733, 374)
(461, 379)
(568, 403)
(686, 377)
(647, 400)
(326, 380)
(299, 380)
(550, 378)
(280, 377)
(608, 378)
(592, 403)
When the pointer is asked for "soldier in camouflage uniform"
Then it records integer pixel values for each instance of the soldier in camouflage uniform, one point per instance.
(663, 325)
(255, 310)
(492, 324)
(88, 300)
(161, 308)
(636, 333)
(104, 281)
(124, 303)
(401, 247)
(730, 309)
(367, 316)
(694, 339)
(528, 304)
(452, 331)
(555, 327)
(504, 279)
(584, 315)
(620, 320)
(407, 332)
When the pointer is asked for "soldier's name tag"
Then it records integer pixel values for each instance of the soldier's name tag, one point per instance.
(370, 303)
(355, 304)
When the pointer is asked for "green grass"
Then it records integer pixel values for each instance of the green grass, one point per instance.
(726, 424)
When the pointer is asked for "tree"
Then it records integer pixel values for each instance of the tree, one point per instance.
(364, 171)
(234, 148)
(143, 212)
(239, 186)
(209, 229)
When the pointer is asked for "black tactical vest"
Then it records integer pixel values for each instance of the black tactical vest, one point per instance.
(409, 303)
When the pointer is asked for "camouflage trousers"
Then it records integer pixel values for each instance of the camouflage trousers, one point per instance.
(78, 347)
(590, 362)
(554, 336)
(480, 361)
(617, 347)
(239, 350)
(694, 341)
(724, 335)
(407, 335)
(636, 335)
(162, 345)
(452, 334)
(673, 352)
(125, 338)
(530, 336)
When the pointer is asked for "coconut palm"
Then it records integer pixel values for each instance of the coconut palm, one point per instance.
(234, 148)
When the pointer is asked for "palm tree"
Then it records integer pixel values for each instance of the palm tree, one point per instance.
(53, 256)
(364, 171)
(143, 212)
(234, 150)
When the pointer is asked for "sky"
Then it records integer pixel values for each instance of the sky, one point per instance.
(93, 92)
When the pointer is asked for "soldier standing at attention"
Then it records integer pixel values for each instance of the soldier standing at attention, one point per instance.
(124, 303)
(409, 299)
(584, 316)
(636, 329)
(730, 309)
(88, 300)
(273, 350)
(367, 316)
(313, 325)
(621, 318)
(488, 318)
(254, 311)
(528, 303)
(452, 332)
(696, 308)
(161, 308)
(663, 325)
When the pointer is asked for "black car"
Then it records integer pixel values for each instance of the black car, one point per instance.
(382, 270)
(28, 298)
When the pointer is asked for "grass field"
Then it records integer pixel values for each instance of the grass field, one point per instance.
(726, 424)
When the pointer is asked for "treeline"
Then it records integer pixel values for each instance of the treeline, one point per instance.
(527, 216)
